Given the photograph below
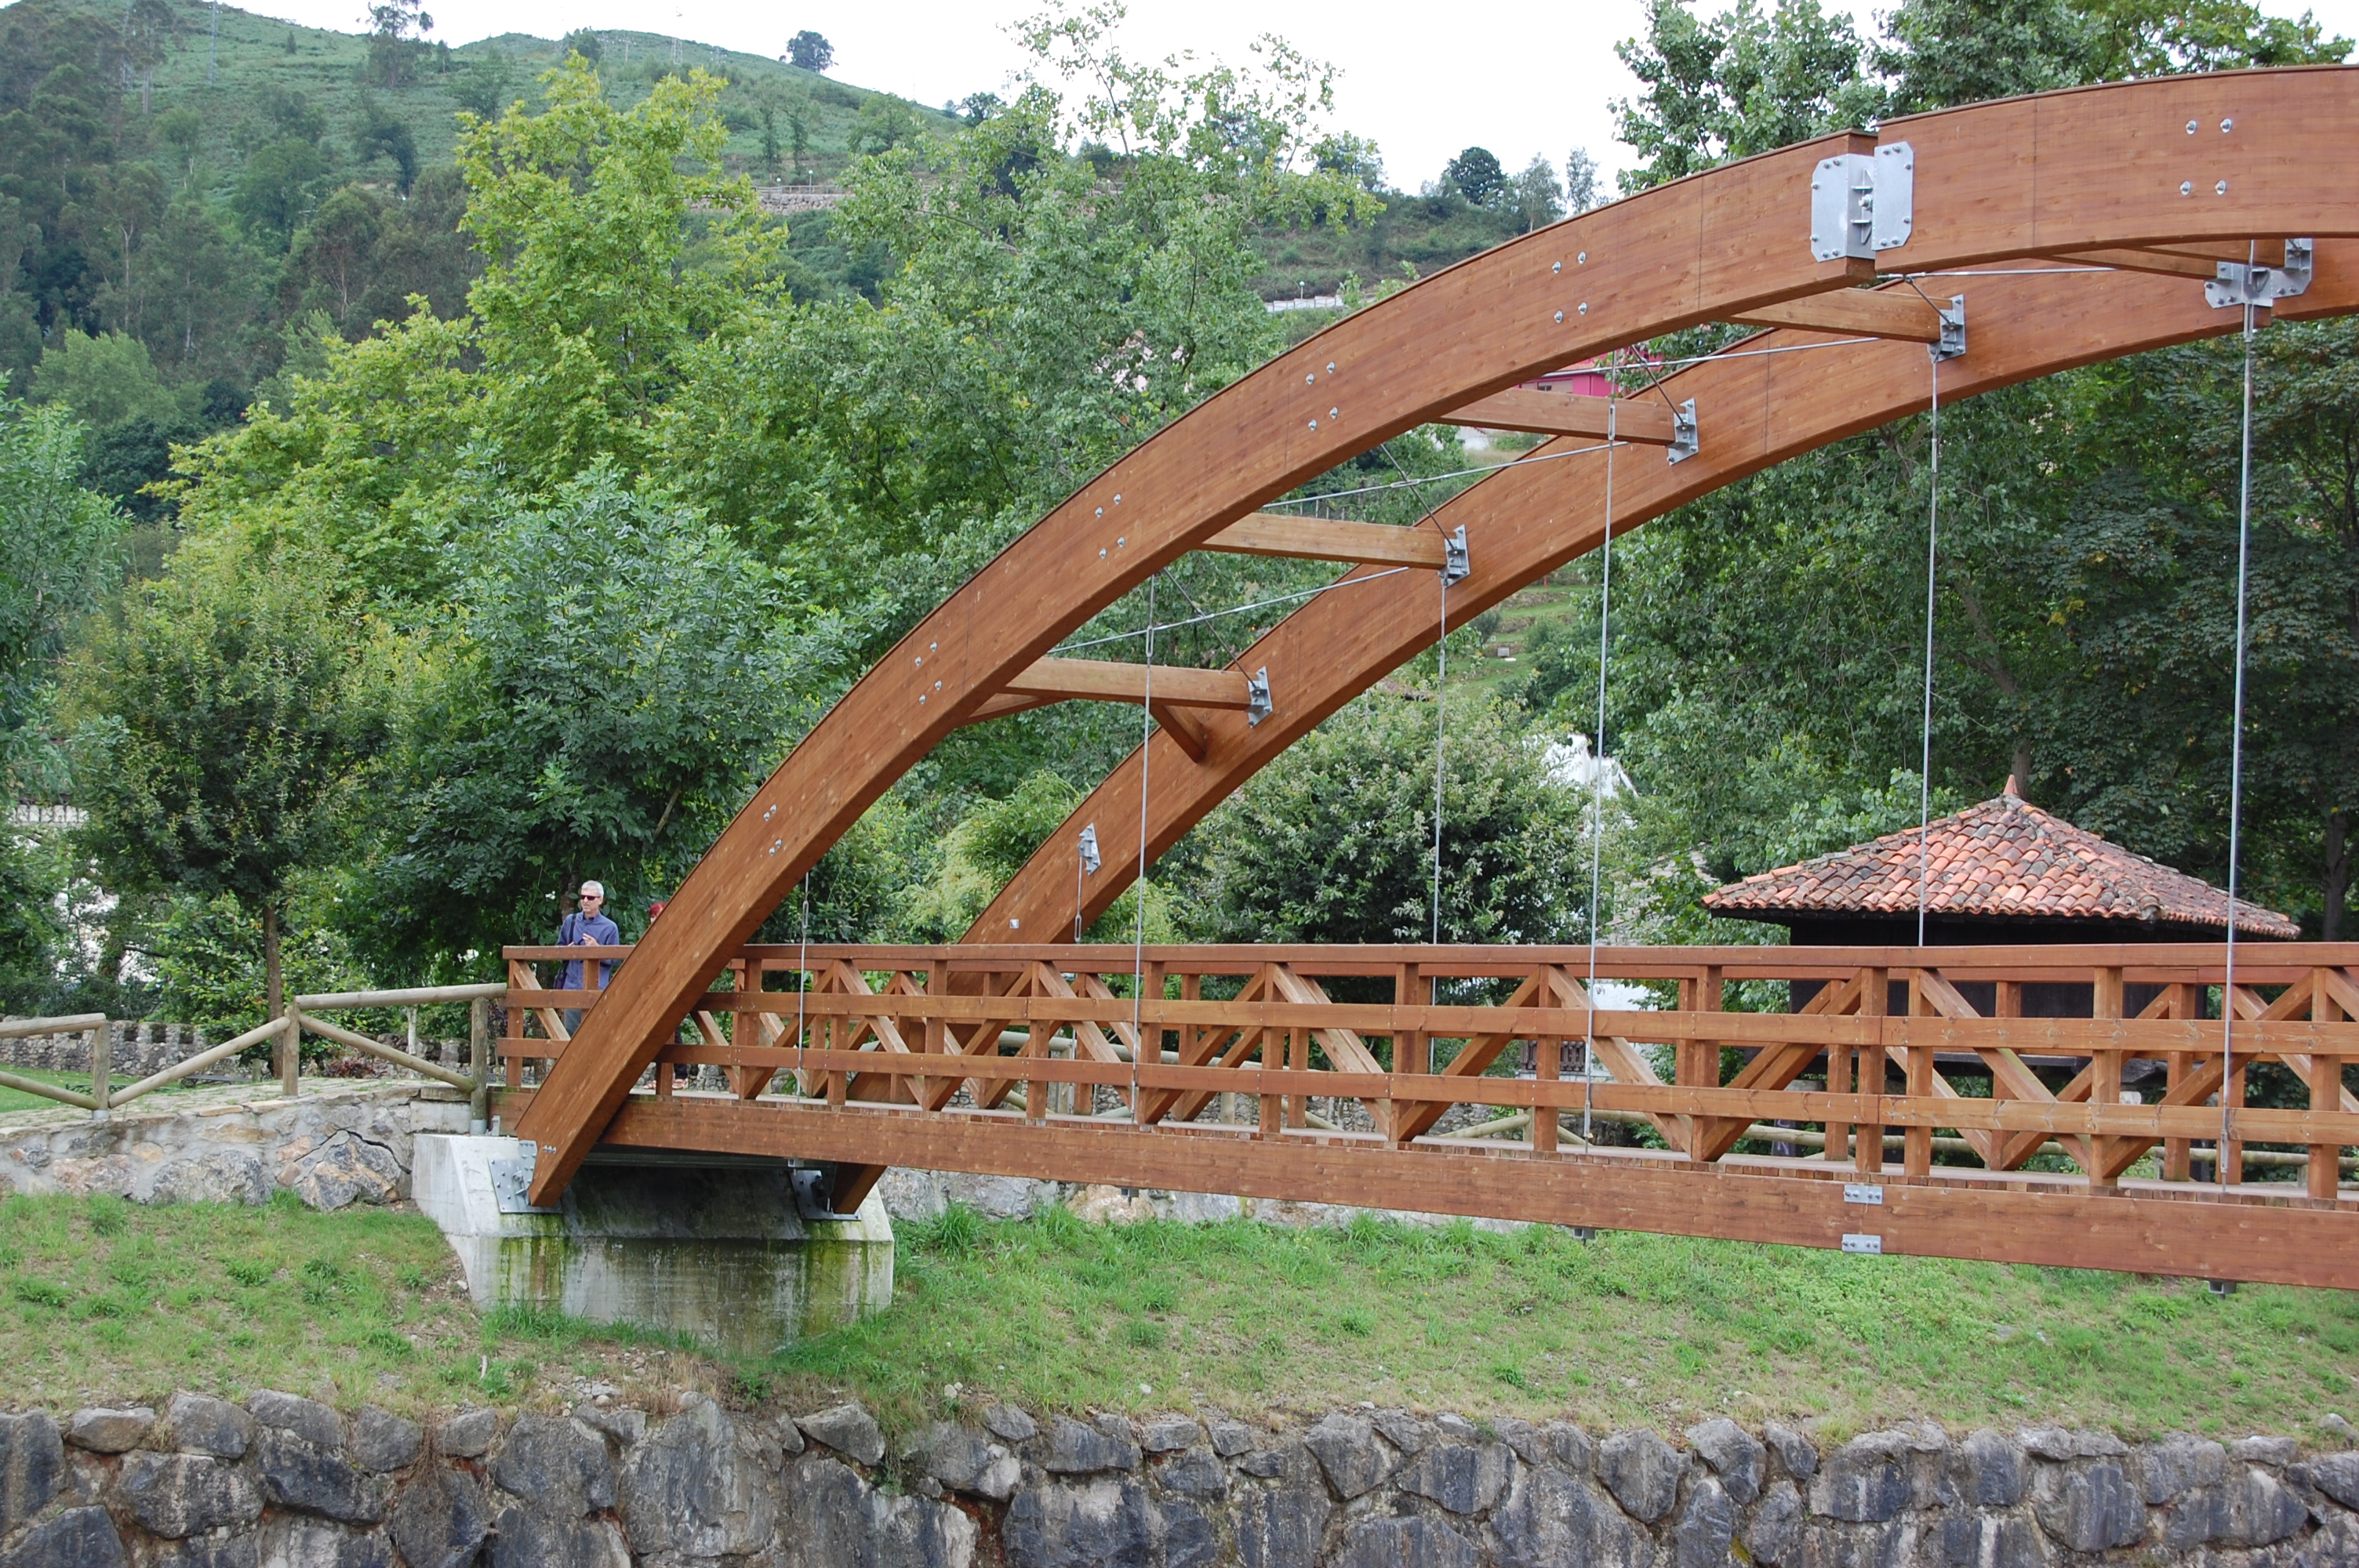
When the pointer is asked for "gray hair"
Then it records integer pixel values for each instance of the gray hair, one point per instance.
(593, 889)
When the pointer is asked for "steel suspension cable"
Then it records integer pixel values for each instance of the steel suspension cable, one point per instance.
(1139, 942)
(2236, 749)
(1440, 701)
(1925, 759)
(1597, 788)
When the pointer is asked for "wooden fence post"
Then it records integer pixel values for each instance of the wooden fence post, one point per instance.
(479, 1064)
(102, 1068)
(291, 1052)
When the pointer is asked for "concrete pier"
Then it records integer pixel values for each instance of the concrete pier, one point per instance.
(724, 1252)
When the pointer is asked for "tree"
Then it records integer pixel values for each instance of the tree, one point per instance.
(582, 41)
(807, 50)
(384, 133)
(1333, 842)
(223, 728)
(1580, 181)
(275, 193)
(60, 551)
(485, 90)
(1475, 175)
(396, 30)
(103, 379)
(1536, 198)
(615, 678)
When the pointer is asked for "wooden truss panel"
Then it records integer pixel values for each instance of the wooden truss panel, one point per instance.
(2071, 171)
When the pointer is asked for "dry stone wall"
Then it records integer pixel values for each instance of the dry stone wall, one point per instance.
(283, 1482)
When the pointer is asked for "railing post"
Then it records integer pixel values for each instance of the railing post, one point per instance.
(1868, 1137)
(1547, 1065)
(479, 1064)
(291, 1052)
(1916, 1148)
(2178, 1153)
(102, 1068)
(2104, 1077)
(2325, 1173)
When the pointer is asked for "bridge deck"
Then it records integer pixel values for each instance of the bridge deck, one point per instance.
(1450, 1080)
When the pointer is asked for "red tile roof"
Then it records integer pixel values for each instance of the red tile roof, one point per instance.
(2005, 856)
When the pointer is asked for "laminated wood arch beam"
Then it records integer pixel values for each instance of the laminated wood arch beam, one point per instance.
(2091, 169)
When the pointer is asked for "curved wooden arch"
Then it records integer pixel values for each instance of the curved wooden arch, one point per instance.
(2174, 163)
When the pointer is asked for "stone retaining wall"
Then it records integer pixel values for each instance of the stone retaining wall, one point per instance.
(285, 1481)
(331, 1146)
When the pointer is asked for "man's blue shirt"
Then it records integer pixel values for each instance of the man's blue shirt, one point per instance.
(599, 929)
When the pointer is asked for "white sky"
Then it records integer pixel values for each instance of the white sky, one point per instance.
(1518, 78)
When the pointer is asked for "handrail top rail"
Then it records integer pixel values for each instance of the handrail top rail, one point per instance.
(71, 1023)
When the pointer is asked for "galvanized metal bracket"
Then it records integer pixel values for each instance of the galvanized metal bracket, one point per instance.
(2238, 284)
(1862, 202)
(1683, 433)
(1089, 861)
(1258, 706)
(1456, 565)
(512, 1182)
(1863, 1245)
(815, 1193)
(1953, 329)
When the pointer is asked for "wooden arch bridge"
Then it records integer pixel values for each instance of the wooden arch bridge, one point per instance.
(2015, 239)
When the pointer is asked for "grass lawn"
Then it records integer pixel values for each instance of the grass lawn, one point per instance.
(100, 1300)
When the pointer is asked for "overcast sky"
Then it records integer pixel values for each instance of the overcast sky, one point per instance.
(1521, 79)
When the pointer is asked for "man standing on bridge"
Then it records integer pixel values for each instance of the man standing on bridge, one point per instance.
(587, 926)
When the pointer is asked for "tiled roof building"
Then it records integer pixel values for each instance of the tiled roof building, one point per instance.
(2003, 870)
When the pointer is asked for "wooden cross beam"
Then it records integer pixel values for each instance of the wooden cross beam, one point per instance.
(1901, 313)
(1643, 422)
(1172, 692)
(1326, 539)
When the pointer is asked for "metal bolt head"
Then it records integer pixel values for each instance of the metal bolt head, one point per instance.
(2187, 188)
(1559, 315)
(2190, 127)
(1334, 414)
(1331, 367)
(1580, 260)
(2221, 189)
(2227, 127)
(1558, 267)
(1584, 307)
(1312, 377)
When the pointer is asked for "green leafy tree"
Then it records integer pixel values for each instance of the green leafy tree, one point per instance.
(807, 50)
(274, 192)
(582, 41)
(60, 552)
(1333, 842)
(614, 680)
(223, 726)
(1477, 174)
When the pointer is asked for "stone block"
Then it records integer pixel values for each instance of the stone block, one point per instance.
(1405, 1543)
(2337, 1474)
(830, 1517)
(2179, 1463)
(1230, 1438)
(177, 1494)
(524, 1538)
(78, 1537)
(2275, 1452)
(1986, 1541)
(32, 1464)
(1078, 1450)
(2258, 1511)
(310, 1420)
(1865, 1481)
(1347, 1450)
(103, 1430)
(1010, 1424)
(1794, 1450)
(698, 1487)
(1082, 1524)
(2088, 1507)
(1987, 1468)
(1569, 1446)
(468, 1435)
(438, 1522)
(1827, 1544)
(848, 1429)
(1523, 1437)
(1465, 1477)
(1774, 1533)
(966, 1461)
(383, 1441)
(557, 1466)
(1642, 1471)
(1282, 1527)
(199, 1424)
(1706, 1526)
(1170, 1434)
(1195, 1473)
(1548, 1519)
(1738, 1457)
(2058, 1444)
(288, 1541)
(297, 1474)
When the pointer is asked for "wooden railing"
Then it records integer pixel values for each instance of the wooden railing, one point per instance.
(285, 1034)
(1953, 1059)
